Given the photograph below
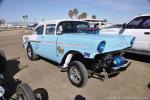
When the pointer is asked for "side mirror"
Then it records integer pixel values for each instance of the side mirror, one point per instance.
(123, 28)
(124, 25)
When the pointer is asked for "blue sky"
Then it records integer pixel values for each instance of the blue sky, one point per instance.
(115, 11)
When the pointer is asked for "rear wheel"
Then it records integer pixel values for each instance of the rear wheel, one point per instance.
(24, 92)
(77, 74)
(30, 53)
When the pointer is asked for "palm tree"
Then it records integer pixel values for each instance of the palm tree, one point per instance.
(93, 16)
(75, 11)
(84, 15)
(71, 14)
(80, 16)
(24, 18)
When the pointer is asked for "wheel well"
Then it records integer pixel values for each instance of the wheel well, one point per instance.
(76, 56)
(29, 44)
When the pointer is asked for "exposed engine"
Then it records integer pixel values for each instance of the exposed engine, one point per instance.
(109, 62)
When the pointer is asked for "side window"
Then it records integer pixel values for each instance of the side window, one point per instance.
(146, 24)
(135, 23)
(50, 29)
(39, 30)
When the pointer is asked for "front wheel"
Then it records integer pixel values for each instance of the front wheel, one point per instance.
(77, 74)
(30, 53)
(24, 92)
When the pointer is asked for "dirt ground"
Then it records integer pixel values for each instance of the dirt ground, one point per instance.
(132, 84)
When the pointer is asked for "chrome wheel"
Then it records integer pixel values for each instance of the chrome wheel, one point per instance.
(75, 75)
(29, 52)
(21, 96)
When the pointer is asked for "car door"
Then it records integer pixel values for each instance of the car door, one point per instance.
(48, 42)
(140, 28)
(36, 43)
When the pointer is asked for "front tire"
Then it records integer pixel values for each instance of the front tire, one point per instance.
(30, 53)
(77, 74)
(24, 92)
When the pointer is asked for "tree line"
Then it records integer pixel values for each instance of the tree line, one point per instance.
(74, 13)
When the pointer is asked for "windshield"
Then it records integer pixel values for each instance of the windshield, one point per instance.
(72, 27)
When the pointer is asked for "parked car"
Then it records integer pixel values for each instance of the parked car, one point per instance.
(139, 27)
(67, 43)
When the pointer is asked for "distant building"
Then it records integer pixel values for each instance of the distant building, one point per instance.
(7, 25)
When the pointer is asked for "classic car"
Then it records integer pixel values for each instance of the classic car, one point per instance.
(81, 53)
(139, 27)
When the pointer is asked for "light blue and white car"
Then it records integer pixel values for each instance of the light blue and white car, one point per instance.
(81, 53)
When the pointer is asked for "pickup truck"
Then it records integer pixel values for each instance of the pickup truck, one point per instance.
(139, 27)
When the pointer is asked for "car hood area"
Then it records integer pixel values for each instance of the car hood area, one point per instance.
(113, 42)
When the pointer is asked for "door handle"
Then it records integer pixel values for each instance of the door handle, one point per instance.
(147, 33)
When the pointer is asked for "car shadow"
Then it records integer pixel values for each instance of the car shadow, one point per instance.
(102, 78)
(9, 82)
(148, 85)
(79, 97)
(49, 61)
(137, 57)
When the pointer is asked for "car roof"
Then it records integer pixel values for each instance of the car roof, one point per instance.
(90, 19)
(57, 21)
(143, 15)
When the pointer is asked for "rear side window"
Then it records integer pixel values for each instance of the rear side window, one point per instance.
(39, 30)
(146, 24)
(139, 23)
(135, 23)
(50, 29)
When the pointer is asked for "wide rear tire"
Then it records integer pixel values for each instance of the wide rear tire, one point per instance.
(77, 74)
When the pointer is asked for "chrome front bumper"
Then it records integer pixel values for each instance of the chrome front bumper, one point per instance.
(122, 67)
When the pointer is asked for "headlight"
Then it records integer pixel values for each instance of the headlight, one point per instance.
(101, 46)
(2, 91)
(132, 41)
(118, 61)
